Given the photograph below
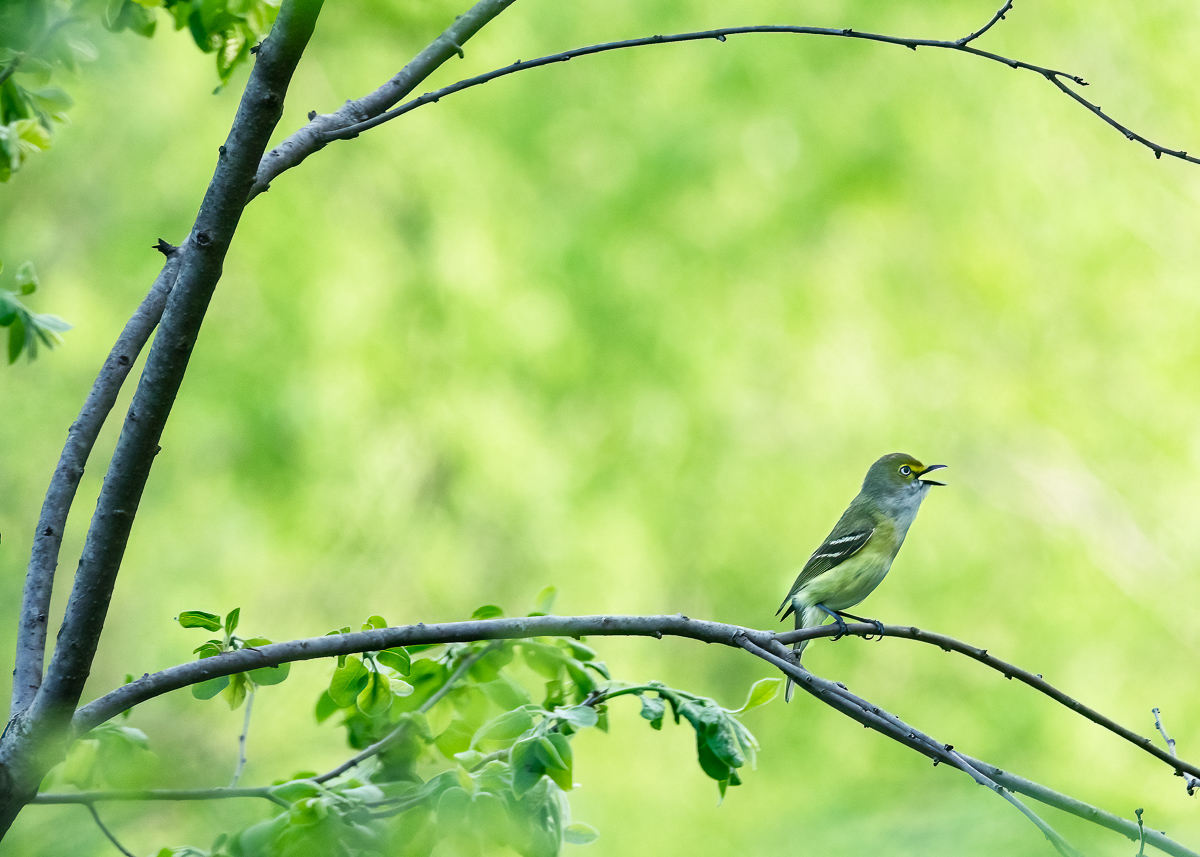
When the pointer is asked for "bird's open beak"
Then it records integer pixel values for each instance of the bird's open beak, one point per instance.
(930, 469)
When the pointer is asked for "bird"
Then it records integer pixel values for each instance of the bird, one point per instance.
(857, 553)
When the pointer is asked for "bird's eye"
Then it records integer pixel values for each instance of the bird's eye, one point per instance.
(905, 470)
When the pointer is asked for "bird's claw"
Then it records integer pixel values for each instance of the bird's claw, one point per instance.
(841, 626)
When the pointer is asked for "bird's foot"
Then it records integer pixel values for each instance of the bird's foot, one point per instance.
(878, 625)
(841, 626)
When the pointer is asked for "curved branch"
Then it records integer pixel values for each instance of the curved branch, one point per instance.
(961, 45)
(678, 625)
(47, 540)
(311, 137)
(995, 20)
(763, 644)
(1010, 671)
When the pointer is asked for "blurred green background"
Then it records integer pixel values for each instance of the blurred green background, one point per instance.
(635, 326)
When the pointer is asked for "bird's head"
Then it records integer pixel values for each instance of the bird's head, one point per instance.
(899, 475)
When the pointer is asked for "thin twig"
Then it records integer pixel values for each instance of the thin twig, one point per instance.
(1010, 671)
(47, 541)
(387, 740)
(57, 798)
(995, 20)
(241, 762)
(1192, 782)
(111, 838)
(962, 45)
(310, 137)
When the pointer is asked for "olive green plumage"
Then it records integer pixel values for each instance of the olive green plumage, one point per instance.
(857, 553)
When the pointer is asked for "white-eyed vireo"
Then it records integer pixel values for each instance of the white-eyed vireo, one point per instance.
(854, 558)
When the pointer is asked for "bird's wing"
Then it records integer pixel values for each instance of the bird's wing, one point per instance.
(837, 548)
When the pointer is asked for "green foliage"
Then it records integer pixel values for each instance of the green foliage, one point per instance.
(111, 755)
(459, 755)
(41, 40)
(234, 688)
(25, 327)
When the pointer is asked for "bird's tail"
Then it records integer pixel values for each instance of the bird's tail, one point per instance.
(806, 617)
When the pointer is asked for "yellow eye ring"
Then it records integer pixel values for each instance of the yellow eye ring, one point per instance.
(905, 470)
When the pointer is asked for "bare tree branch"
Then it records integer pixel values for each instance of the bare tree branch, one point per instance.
(200, 268)
(995, 20)
(962, 45)
(241, 762)
(312, 137)
(103, 795)
(837, 696)
(47, 540)
(111, 838)
(1009, 671)
(34, 739)
(1190, 781)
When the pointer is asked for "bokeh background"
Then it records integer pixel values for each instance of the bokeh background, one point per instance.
(635, 326)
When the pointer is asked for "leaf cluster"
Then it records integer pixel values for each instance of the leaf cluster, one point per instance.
(233, 688)
(27, 328)
(464, 746)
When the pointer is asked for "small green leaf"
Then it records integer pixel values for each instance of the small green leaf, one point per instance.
(27, 281)
(507, 726)
(544, 602)
(326, 707)
(270, 675)
(761, 693)
(231, 621)
(527, 769)
(235, 692)
(579, 716)
(488, 611)
(374, 623)
(200, 619)
(397, 659)
(348, 681)
(376, 697)
(469, 759)
(548, 755)
(578, 833)
(210, 688)
(16, 338)
(653, 709)
(296, 790)
(578, 650)
(209, 649)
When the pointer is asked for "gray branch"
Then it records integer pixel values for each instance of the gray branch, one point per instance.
(764, 644)
(35, 738)
(327, 134)
(1010, 671)
(108, 833)
(47, 540)
(313, 136)
(202, 255)
(1189, 780)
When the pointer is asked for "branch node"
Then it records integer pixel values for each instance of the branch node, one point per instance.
(312, 114)
(166, 248)
(720, 37)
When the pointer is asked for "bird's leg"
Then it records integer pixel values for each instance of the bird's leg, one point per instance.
(836, 618)
(878, 625)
